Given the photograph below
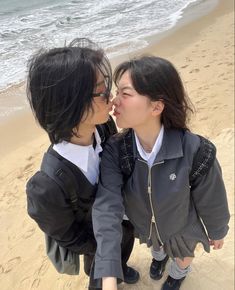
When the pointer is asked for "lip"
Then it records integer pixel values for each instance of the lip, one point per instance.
(116, 113)
(110, 109)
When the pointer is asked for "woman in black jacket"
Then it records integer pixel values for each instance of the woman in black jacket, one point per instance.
(69, 90)
(165, 178)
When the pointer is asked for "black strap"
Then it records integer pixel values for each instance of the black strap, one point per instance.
(126, 152)
(203, 159)
(202, 162)
(63, 177)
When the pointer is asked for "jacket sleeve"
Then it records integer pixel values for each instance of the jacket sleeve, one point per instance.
(47, 205)
(107, 215)
(210, 199)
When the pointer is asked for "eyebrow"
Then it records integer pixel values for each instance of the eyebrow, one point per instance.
(126, 87)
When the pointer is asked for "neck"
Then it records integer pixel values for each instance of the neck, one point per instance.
(85, 135)
(147, 134)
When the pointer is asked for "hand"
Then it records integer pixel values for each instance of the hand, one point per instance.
(218, 244)
(109, 283)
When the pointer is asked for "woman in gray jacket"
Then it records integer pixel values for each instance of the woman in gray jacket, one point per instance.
(148, 172)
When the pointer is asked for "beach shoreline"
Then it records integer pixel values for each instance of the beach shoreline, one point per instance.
(159, 44)
(203, 52)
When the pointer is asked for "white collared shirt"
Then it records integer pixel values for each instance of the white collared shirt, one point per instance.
(150, 157)
(86, 158)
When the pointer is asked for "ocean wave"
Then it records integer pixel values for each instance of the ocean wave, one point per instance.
(52, 22)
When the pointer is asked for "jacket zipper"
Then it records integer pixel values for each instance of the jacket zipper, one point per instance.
(153, 219)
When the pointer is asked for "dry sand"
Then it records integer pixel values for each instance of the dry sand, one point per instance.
(203, 53)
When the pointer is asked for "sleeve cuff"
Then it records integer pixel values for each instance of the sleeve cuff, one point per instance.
(218, 235)
(108, 268)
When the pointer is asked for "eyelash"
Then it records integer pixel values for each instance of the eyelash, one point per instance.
(123, 94)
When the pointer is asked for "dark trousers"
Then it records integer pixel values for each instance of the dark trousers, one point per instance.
(126, 246)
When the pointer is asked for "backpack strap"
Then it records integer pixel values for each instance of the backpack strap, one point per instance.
(126, 156)
(63, 177)
(203, 160)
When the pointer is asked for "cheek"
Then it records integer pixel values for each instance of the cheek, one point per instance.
(133, 112)
(135, 108)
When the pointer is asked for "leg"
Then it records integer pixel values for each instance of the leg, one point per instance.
(89, 270)
(158, 264)
(131, 276)
(179, 268)
(87, 261)
(186, 262)
(94, 284)
(127, 241)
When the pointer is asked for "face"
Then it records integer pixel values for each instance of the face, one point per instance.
(132, 110)
(101, 106)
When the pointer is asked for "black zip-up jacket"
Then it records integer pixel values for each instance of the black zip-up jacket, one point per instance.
(51, 207)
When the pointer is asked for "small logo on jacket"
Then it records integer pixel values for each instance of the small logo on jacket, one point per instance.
(172, 176)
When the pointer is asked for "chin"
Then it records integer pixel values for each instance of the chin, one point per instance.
(121, 124)
(103, 120)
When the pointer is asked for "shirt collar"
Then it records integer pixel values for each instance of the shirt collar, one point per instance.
(77, 154)
(156, 147)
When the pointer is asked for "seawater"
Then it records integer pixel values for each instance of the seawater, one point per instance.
(119, 26)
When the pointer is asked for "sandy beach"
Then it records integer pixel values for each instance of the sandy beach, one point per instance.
(203, 52)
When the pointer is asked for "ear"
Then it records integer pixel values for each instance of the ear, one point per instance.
(75, 130)
(158, 107)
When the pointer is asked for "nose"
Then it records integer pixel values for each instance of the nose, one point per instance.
(116, 101)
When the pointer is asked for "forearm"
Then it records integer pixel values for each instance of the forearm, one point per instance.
(209, 196)
(109, 283)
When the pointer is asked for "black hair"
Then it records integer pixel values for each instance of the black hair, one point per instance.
(61, 83)
(158, 79)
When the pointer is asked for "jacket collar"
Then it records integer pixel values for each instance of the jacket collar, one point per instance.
(171, 145)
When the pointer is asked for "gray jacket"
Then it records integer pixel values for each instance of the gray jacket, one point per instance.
(158, 200)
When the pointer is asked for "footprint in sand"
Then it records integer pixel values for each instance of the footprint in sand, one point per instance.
(35, 284)
(29, 233)
(1, 269)
(11, 264)
(184, 66)
(68, 285)
(29, 158)
(194, 70)
(28, 168)
(24, 283)
(43, 268)
(206, 66)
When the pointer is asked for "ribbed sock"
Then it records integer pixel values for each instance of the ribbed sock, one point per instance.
(176, 272)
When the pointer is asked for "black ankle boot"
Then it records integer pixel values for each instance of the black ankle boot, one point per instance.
(157, 268)
(172, 284)
(131, 276)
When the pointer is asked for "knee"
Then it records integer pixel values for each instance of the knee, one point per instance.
(184, 263)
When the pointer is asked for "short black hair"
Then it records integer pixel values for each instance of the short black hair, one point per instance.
(158, 79)
(61, 83)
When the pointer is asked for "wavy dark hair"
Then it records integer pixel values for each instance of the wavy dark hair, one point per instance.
(61, 83)
(158, 79)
